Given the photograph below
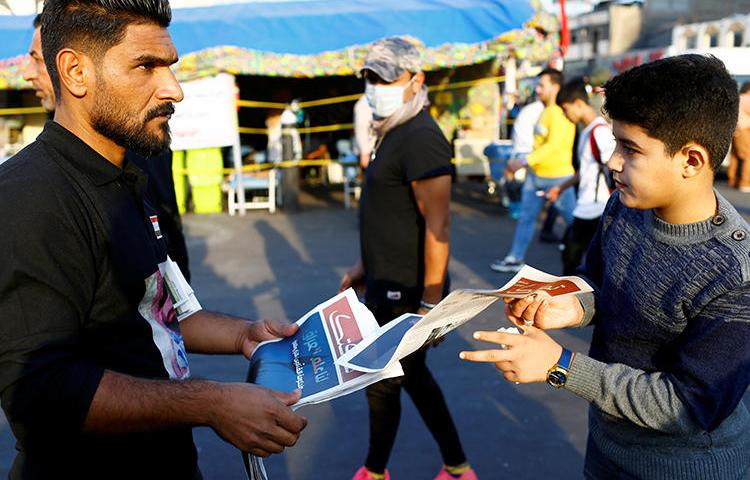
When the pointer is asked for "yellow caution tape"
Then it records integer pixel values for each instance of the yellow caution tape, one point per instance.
(354, 97)
(259, 104)
(260, 167)
(327, 128)
(253, 131)
(21, 111)
(330, 101)
(469, 83)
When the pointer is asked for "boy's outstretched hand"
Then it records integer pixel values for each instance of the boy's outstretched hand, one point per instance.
(526, 358)
(544, 312)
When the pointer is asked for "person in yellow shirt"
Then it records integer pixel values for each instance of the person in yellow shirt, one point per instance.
(549, 164)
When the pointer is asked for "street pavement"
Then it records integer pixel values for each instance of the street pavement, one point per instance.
(279, 266)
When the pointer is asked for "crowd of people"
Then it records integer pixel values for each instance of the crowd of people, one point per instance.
(93, 364)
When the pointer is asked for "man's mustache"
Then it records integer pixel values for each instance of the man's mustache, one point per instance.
(159, 111)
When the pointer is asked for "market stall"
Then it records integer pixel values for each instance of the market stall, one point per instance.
(309, 51)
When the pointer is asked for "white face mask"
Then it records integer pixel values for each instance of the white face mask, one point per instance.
(385, 99)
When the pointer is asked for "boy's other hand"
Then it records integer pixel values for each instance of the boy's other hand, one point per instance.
(544, 312)
(523, 358)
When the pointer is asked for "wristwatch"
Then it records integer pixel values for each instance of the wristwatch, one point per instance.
(558, 375)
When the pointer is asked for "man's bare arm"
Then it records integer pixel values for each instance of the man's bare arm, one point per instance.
(433, 197)
(252, 418)
(210, 332)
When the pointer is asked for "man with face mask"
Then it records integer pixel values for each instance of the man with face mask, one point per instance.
(94, 376)
(404, 240)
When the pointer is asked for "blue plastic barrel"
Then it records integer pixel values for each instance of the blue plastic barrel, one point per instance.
(498, 155)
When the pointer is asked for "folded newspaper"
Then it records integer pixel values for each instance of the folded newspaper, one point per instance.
(309, 359)
(340, 348)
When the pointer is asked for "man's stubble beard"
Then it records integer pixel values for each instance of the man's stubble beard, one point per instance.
(114, 121)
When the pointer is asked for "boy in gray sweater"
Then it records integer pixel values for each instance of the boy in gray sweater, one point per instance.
(670, 266)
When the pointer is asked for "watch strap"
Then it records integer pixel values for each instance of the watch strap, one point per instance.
(566, 358)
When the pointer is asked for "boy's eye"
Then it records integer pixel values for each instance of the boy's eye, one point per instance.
(628, 150)
(146, 66)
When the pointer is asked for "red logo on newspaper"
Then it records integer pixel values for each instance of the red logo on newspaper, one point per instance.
(524, 286)
(343, 332)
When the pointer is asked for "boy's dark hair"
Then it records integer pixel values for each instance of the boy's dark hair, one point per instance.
(38, 20)
(687, 98)
(745, 88)
(555, 76)
(572, 91)
(93, 26)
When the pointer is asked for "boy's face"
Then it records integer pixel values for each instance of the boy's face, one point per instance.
(573, 110)
(645, 176)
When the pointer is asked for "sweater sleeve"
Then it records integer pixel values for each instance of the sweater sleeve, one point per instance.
(711, 373)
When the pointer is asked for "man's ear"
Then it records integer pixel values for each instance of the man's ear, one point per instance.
(72, 70)
(695, 159)
(418, 82)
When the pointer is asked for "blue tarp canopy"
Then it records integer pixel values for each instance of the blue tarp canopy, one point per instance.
(315, 26)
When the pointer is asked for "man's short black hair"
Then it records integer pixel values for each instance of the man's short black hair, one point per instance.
(38, 20)
(745, 88)
(677, 100)
(572, 91)
(555, 76)
(93, 26)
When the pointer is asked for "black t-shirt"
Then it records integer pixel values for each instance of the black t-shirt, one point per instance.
(160, 189)
(391, 226)
(81, 292)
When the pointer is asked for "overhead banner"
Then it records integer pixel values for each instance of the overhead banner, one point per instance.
(207, 116)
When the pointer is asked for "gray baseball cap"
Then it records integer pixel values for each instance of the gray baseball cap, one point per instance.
(390, 57)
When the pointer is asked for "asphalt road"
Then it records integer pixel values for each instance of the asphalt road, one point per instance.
(279, 266)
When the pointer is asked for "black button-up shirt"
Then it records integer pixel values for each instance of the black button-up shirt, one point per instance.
(81, 292)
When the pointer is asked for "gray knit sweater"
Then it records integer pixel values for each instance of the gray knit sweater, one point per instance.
(670, 355)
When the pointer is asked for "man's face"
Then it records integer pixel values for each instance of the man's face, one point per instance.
(573, 111)
(645, 175)
(135, 90)
(546, 90)
(36, 73)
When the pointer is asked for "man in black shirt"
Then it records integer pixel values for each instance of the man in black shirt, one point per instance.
(404, 239)
(158, 168)
(93, 337)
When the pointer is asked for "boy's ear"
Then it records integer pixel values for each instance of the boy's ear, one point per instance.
(695, 159)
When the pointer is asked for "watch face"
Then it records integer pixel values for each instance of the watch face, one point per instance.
(556, 378)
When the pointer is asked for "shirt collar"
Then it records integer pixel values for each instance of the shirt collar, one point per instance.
(84, 158)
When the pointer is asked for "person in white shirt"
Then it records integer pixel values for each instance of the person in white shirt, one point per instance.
(523, 144)
(364, 136)
(595, 145)
(523, 129)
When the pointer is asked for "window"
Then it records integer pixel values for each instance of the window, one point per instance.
(710, 38)
(737, 38)
(691, 41)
